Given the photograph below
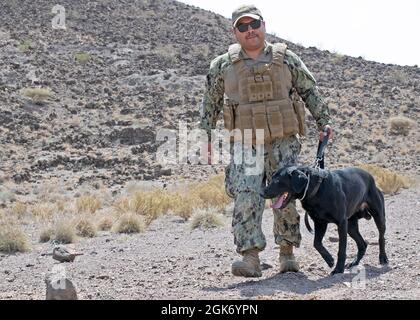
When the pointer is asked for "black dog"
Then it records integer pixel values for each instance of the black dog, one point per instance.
(341, 197)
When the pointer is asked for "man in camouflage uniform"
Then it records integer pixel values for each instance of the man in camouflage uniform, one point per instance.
(223, 89)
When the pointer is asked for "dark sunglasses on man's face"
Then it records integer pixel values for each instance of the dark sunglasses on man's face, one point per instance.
(243, 27)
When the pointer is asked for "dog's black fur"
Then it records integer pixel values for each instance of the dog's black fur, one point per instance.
(343, 197)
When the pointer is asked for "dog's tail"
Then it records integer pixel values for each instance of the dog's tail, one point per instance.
(308, 226)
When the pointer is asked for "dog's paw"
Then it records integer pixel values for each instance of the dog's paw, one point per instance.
(336, 271)
(383, 259)
(352, 264)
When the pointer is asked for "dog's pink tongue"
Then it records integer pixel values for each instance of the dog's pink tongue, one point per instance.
(279, 202)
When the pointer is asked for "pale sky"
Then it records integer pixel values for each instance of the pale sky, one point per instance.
(386, 31)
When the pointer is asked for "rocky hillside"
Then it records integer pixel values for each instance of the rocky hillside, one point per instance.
(122, 69)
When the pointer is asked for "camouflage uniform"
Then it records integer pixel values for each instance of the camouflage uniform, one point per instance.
(249, 206)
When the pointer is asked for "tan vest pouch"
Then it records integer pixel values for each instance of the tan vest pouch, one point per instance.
(299, 107)
(229, 117)
(290, 123)
(259, 118)
(275, 119)
(243, 117)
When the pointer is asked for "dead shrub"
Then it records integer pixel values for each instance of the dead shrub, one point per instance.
(150, 204)
(43, 211)
(183, 205)
(130, 223)
(12, 238)
(400, 125)
(201, 195)
(82, 57)
(106, 223)
(88, 204)
(206, 218)
(38, 95)
(64, 232)
(46, 234)
(181, 201)
(19, 209)
(388, 181)
(85, 228)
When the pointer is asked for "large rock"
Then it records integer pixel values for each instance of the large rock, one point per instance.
(59, 287)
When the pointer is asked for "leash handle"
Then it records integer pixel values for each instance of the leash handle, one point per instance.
(321, 148)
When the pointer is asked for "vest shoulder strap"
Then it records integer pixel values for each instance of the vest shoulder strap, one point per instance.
(234, 51)
(279, 50)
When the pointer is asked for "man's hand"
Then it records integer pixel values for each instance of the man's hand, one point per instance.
(326, 130)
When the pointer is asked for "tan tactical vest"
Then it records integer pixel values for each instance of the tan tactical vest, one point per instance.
(264, 98)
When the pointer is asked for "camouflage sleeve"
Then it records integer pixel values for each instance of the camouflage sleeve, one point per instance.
(212, 103)
(305, 85)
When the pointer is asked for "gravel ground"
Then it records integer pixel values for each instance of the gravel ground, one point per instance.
(170, 261)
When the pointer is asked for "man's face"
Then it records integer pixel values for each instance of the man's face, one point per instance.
(252, 39)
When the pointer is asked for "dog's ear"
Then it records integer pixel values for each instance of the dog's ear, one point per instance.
(298, 181)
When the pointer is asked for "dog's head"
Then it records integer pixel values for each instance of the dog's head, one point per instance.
(286, 184)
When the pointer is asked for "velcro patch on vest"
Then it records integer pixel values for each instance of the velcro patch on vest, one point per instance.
(260, 88)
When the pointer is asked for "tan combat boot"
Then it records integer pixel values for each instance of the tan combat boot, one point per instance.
(249, 266)
(287, 259)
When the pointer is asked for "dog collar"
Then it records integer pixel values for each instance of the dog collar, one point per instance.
(316, 187)
(306, 188)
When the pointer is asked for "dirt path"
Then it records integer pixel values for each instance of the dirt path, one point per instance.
(171, 262)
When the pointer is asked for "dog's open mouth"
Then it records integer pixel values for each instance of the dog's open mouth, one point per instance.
(281, 201)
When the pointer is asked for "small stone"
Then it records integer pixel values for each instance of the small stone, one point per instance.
(333, 239)
(11, 279)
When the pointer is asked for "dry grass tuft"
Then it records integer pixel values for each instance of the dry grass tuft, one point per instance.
(88, 204)
(184, 204)
(206, 218)
(337, 58)
(19, 209)
(12, 238)
(25, 46)
(388, 181)
(106, 223)
(43, 211)
(182, 201)
(38, 95)
(201, 195)
(348, 133)
(150, 204)
(64, 232)
(85, 228)
(82, 57)
(130, 223)
(401, 125)
(46, 235)
(62, 205)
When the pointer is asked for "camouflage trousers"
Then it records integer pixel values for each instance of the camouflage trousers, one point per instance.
(249, 205)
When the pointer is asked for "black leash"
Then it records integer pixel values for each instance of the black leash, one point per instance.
(319, 163)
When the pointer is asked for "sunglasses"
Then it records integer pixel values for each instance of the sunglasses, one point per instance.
(243, 27)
